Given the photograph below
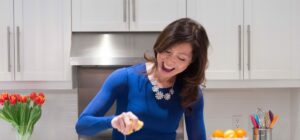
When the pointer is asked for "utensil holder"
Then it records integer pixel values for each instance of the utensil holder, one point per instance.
(262, 134)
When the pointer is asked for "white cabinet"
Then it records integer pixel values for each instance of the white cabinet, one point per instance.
(223, 21)
(267, 30)
(125, 15)
(6, 20)
(34, 40)
(250, 39)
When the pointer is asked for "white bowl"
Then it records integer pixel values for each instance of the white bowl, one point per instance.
(246, 138)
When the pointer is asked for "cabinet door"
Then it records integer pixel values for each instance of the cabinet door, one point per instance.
(268, 39)
(154, 15)
(6, 44)
(223, 21)
(40, 34)
(100, 15)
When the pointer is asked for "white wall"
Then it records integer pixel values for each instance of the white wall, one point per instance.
(295, 114)
(222, 105)
(59, 115)
(60, 112)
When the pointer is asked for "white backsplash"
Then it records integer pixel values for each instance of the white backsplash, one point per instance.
(222, 105)
(295, 114)
(60, 112)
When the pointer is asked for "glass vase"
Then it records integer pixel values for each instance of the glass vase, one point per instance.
(25, 136)
(22, 132)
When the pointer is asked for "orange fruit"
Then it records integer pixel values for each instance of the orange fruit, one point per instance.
(240, 132)
(230, 134)
(218, 134)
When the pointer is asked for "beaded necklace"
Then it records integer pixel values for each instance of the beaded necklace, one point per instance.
(160, 95)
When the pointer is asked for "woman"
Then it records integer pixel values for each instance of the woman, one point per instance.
(156, 93)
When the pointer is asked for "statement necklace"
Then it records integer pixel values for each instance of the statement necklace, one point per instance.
(160, 95)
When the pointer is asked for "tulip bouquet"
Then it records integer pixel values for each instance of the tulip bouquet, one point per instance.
(21, 111)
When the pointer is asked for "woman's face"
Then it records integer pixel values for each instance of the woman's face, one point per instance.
(174, 60)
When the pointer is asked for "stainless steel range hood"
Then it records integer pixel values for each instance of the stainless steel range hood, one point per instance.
(110, 49)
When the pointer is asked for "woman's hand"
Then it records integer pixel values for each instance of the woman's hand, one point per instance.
(126, 123)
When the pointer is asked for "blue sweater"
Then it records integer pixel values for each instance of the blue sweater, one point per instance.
(132, 91)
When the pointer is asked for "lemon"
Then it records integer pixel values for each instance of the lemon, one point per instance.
(230, 134)
(139, 126)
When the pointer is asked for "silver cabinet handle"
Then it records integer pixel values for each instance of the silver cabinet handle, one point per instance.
(18, 49)
(124, 10)
(249, 46)
(133, 11)
(240, 46)
(8, 48)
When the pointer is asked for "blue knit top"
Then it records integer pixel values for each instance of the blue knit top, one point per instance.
(132, 91)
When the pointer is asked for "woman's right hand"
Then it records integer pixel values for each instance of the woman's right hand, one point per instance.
(126, 123)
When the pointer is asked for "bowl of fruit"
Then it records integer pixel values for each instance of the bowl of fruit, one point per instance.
(229, 134)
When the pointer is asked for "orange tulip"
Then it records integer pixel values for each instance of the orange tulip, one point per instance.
(39, 100)
(23, 99)
(42, 94)
(20, 106)
(33, 95)
(13, 99)
(2, 100)
(5, 95)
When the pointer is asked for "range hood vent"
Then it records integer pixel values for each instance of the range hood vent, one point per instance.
(110, 49)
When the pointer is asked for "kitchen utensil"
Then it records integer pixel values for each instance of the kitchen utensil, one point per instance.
(255, 125)
(271, 115)
(262, 134)
(274, 121)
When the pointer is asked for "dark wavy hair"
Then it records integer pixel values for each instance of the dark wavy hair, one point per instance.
(185, 30)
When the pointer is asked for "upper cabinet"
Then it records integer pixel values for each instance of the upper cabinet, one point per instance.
(223, 21)
(6, 23)
(35, 40)
(125, 15)
(250, 39)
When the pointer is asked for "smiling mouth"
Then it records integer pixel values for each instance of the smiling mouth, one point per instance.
(166, 69)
